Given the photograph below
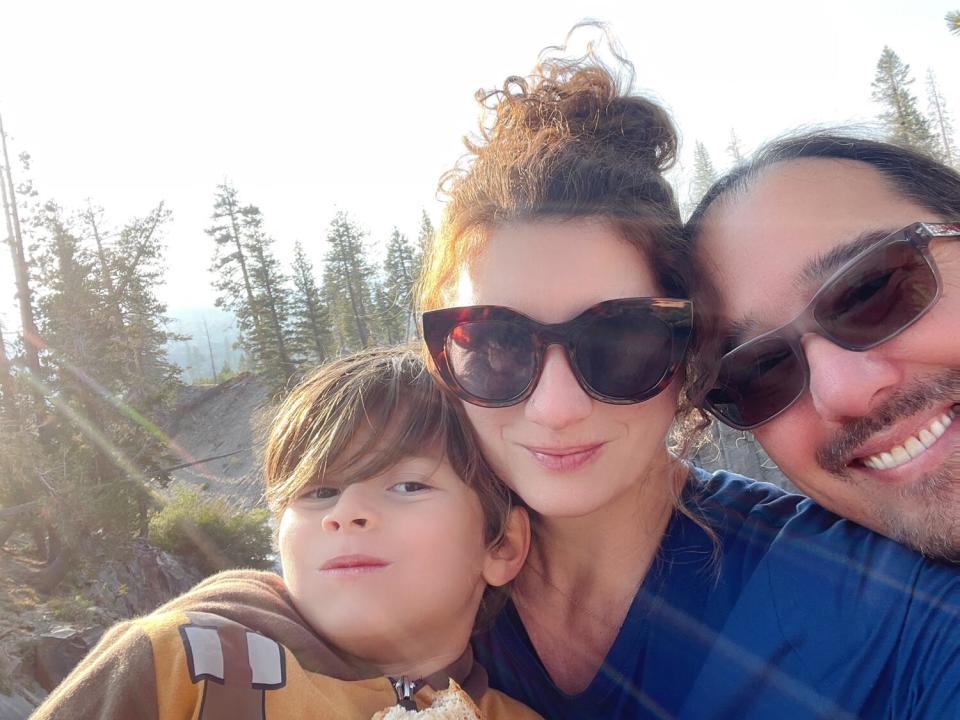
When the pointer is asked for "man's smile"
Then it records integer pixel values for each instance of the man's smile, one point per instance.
(915, 444)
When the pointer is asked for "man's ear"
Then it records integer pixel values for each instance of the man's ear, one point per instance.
(505, 560)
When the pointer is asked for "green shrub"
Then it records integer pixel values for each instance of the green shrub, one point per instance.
(211, 533)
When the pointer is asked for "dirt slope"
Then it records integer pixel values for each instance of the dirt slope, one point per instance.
(217, 420)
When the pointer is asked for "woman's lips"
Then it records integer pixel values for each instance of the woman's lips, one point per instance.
(565, 459)
(352, 565)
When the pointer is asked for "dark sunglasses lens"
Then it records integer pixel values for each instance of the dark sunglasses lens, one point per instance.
(493, 361)
(877, 297)
(757, 382)
(624, 356)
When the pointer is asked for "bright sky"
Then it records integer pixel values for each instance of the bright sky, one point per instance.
(359, 106)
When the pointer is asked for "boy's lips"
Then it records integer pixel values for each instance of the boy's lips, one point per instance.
(352, 564)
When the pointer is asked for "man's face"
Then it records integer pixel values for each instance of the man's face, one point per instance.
(772, 247)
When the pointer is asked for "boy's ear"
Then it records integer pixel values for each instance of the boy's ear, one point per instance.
(505, 560)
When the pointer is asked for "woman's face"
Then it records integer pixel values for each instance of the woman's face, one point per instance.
(564, 453)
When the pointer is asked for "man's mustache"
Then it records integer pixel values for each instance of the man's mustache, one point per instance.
(835, 455)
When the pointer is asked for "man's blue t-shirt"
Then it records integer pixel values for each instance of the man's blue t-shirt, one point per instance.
(801, 615)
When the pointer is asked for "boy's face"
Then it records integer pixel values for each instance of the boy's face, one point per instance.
(388, 567)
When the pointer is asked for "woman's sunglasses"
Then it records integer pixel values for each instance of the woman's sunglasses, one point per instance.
(621, 351)
(871, 299)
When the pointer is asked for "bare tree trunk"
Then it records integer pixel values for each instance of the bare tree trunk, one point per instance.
(46, 580)
(213, 367)
(6, 383)
(242, 261)
(29, 327)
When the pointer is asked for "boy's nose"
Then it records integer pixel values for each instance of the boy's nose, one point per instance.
(354, 511)
(334, 524)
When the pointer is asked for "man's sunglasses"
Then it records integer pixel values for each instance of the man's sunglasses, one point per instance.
(621, 351)
(869, 300)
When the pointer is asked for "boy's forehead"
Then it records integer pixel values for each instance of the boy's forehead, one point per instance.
(370, 455)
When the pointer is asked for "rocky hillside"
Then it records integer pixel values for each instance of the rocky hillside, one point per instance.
(43, 636)
(225, 422)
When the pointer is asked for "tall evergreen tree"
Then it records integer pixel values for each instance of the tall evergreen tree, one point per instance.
(129, 272)
(230, 265)
(704, 173)
(940, 121)
(347, 283)
(271, 297)
(250, 283)
(401, 268)
(309, 319)
(905, 123)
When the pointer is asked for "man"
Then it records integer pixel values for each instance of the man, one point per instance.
(838, 259)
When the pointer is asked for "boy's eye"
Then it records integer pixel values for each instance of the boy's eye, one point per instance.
(409, 486)
(321, 493)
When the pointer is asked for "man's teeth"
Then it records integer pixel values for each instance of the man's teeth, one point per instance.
(913, 446)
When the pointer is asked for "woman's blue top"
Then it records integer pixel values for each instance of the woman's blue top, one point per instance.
(801, 615)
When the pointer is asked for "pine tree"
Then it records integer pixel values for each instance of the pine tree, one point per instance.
(250, 283)
(940, 121)
(268, 284)
(129, 272)
(309, 320)
(401, 268)
(347, 284)
(891, 89)
(85, 379)
(704, 173)
(230, 264)
(736, 154)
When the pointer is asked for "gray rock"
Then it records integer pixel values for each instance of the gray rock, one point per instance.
(56, 653)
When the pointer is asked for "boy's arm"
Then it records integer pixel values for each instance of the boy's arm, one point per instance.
(115, 681)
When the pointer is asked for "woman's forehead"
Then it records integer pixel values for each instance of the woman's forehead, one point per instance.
(552, 270)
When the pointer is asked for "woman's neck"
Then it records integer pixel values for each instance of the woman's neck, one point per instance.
(610, 550)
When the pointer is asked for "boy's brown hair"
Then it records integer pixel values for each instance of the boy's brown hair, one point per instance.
(357, 416)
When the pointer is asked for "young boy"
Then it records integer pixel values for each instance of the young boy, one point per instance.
(393, 535)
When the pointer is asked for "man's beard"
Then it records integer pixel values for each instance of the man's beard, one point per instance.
(926, 513)
(934, 529)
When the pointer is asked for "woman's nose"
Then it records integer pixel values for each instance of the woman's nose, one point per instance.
(846, 384)
(558, 400)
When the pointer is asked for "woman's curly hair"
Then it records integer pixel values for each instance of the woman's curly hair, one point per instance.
(570, 140)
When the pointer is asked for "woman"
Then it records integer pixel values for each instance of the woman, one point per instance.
(556, 309)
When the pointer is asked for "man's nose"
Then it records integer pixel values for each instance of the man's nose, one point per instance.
(846, 384)
(353, 512)
(558, 400)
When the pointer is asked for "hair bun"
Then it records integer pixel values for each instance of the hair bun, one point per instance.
(567, 101)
